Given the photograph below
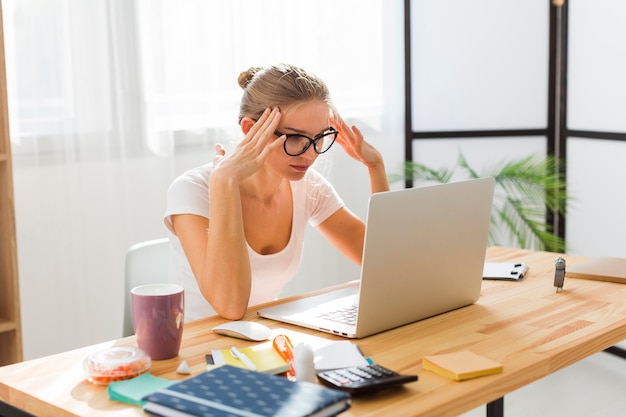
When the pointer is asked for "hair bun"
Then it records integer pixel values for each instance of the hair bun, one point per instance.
(246, 76)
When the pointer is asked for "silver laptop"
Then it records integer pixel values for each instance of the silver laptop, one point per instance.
(424, 255)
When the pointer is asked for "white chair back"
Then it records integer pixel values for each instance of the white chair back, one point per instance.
(146, 263)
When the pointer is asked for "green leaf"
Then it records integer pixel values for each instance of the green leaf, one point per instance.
(527, 191)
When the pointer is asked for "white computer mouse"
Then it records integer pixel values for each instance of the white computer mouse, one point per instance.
(246, 330)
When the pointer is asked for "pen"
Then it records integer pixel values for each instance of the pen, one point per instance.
(246, 360)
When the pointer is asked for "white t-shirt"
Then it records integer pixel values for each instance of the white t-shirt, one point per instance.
(314, 200)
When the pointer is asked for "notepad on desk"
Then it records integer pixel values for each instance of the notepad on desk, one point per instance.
(603, 268)
(461, 365)
(265, 358)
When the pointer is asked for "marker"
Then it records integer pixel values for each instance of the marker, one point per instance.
(283, 346)
(246, 360)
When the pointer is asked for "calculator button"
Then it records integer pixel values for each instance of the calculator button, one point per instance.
(363, 378)
(338, 378)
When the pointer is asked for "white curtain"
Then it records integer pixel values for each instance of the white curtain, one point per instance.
(109, 100)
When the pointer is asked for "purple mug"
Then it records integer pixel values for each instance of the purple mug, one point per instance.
(158, 313)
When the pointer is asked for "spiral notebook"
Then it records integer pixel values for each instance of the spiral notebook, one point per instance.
(229, 391)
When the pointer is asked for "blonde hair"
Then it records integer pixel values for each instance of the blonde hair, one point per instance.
(284, 86)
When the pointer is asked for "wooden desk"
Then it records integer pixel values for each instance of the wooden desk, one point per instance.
(527, 326)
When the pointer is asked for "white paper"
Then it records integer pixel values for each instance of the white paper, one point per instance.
(341, 354)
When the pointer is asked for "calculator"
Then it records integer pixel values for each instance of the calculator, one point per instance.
(365, 378)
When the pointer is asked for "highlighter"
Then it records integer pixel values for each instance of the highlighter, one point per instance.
(284, 347)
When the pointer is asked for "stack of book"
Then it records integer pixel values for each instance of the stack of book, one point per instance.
(233, 391)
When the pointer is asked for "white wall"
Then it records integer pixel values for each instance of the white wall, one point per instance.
(487, 68)
(596, 224)
(44, 202)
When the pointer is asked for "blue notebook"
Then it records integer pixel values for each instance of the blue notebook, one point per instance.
(229, 391)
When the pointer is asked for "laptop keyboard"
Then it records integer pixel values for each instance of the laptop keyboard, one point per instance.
(344, 315)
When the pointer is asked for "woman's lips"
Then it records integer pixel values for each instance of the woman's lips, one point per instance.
(300, 168)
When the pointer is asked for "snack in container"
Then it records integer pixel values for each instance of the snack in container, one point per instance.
(116, 364)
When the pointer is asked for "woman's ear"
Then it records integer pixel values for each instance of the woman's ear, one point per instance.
(246, 124)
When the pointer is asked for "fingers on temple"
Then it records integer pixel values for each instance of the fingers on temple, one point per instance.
(267, 124)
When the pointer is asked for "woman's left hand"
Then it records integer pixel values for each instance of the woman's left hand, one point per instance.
(351, 140)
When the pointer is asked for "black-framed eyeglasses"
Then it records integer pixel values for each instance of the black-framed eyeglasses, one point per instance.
(296, 144)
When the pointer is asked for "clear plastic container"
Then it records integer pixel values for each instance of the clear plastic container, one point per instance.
(116, 364)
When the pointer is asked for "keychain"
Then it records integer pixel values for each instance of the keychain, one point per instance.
(559, 273)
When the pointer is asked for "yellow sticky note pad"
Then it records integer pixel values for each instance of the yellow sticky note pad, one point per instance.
(461, 365)
(264, 356)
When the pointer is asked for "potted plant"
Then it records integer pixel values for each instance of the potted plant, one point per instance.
(527, 190)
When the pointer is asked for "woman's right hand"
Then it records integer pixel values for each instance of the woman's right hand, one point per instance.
(251, 153)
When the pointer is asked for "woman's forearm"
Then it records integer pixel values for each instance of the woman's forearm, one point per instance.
(225, 280)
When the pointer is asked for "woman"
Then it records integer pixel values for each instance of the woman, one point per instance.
(237, 225)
